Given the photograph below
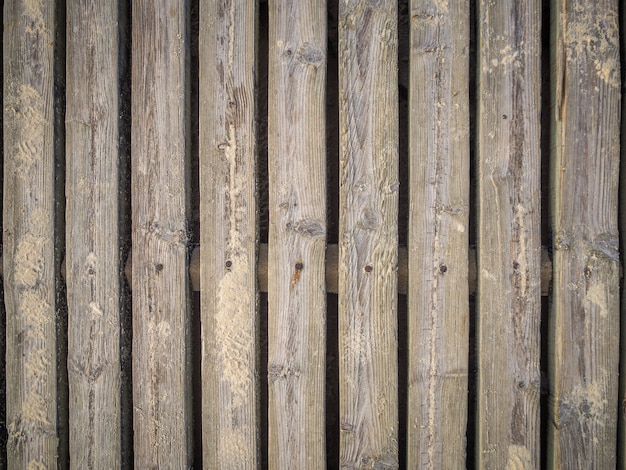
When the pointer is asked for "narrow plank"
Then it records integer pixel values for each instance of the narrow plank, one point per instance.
(584, 326)
(368, 234)
(160, 146)
(92, 251)
(438, 246)
(228, 235)
(28, 236)
(297, 234)
(509, 244)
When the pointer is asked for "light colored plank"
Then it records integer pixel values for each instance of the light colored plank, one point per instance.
(438, 298)
(621, 443)
(584, 327)
(28, 235)
(509, 244)
(297, 233)
(160, 145)
(92, 249)
(228, 235)
(368, 237)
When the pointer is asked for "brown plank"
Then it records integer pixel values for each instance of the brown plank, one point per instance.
(228, 236)
(297, 233)
(584, 327)
(160, 145)
(368, 248)
(92, 249)
(438, 299)
(28, 235)
(509, 244)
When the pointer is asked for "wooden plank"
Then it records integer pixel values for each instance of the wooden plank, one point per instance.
(228, 235)
(438, 298)
(509, 244)
(368, 238)
(584, 327)
(28, 236)
(621, 443)
(297, 234)
(92, 249)
(160, 146)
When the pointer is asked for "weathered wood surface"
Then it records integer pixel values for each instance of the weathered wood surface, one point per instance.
(621, 443)
(160, 146)
(584, 329)
(297, 234)
(92, 249)
(228, 237)
(509, 243)
(368, 238)
(28, 235)
(438, 300)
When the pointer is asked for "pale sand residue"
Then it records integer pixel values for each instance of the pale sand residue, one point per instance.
(519, 458)
(28, 264)
(596, 296)
(234, 328)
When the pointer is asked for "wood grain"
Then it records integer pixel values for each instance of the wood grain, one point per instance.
(92, 248)
(509, 244)
(28, 235)
(297, 234)
(585, 315)
(438, 298)
(160, 146)
(368, 237)
(230, 367)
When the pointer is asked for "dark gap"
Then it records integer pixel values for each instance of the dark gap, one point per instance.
(262, 182)
(3, 378)
(403, 392)
(332, 233)
(621, 437)
(472, 358)
(63, 456)
(262, 192)
(332, 381)
(404, 27)
(546, 235)
(124, 230)
(263, 355)
(195, 363)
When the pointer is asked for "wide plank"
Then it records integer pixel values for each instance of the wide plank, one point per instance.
(438, 245)
(509, 244)
(228, 236)
(28, 235)
(368, 233)
(585, 158)
(92, 249)
(160, 147)
(297, 234)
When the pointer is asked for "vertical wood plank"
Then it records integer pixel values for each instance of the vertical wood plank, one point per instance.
(160, 146)
(297, 233)
(368, 233)
(584, 327)
(28, 236)
(92, 249)
(438, 298)
(228, 235)
(621, 443)
(509, 244)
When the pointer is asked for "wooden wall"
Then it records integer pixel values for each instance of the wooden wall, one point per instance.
(322, 234)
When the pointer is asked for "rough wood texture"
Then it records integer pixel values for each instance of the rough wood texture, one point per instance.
(28, 236)
(438, 300)
(368, 248)
(160, 144)
(92, 259)
(228, 235)
(621, 443)
(584, 329)
(297, 233)
(509, 244)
